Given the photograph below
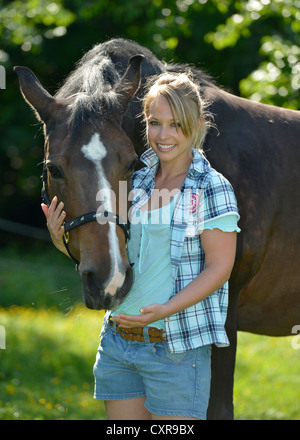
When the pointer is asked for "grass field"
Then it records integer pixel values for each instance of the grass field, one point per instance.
(46, 368)
(267, 380)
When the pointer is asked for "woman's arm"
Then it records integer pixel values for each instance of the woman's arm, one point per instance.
(219, 248)
(55, 218)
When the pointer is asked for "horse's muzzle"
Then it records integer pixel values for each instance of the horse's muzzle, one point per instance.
(96, 297)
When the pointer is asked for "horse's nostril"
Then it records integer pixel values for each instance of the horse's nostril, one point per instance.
(86, 273)
(90, 281)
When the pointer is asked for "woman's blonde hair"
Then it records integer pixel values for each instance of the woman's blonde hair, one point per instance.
(187, 106)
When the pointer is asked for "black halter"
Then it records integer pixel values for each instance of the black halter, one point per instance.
(83, 219)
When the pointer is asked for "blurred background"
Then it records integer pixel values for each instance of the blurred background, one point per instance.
(250, 47)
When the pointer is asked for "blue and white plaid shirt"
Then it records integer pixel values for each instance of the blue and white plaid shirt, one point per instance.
(206, 195)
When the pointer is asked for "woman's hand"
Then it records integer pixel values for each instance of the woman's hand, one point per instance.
(55, 217)
(149, 314)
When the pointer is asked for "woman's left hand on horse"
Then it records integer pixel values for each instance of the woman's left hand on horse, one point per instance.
(149, 314)
(55, 216)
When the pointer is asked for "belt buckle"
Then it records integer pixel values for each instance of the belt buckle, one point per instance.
(122, 331)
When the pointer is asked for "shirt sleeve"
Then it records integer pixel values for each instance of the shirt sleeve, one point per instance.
(227, 223)
(219, 198)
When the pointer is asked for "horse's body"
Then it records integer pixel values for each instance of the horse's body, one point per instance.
(256, 150)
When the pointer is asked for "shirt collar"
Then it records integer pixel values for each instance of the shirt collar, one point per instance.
(150, 159)
(199, 163)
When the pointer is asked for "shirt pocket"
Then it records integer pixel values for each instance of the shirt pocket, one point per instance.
(191, 259)
(192, 244)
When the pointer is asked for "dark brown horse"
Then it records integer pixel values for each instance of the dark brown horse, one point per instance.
(256, 149)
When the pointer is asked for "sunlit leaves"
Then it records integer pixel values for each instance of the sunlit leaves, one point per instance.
(278, 77)
(277, 24)
(26, 23)
(181, 30)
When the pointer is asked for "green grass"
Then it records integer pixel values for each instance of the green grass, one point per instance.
(46, 368)
(267, 380)
(52, 339)
(38, 276)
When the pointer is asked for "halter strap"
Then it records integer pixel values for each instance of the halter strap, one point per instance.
(83, 219)
(96, 216)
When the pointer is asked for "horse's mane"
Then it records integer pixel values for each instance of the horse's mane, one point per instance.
(203, 78)
(90, 87)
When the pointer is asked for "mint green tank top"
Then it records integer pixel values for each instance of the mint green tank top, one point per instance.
(149, 250)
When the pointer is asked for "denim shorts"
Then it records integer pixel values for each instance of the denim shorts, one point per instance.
(174, 384)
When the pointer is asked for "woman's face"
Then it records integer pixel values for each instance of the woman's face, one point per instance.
(164, 134)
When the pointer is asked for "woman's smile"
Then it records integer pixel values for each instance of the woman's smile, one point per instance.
(162, 147)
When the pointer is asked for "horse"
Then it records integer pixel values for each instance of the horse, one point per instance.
(254, 147)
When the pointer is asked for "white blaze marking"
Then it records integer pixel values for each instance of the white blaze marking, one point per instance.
(95, 151)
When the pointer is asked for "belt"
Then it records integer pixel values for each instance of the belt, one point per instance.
(136, 333)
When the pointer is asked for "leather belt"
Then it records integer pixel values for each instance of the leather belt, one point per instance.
(136, 333)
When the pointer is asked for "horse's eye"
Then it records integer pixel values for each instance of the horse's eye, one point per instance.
(54, 171)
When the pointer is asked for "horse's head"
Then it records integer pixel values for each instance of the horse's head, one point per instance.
(88, 162)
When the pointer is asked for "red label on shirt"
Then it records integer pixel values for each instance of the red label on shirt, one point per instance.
(195, 198)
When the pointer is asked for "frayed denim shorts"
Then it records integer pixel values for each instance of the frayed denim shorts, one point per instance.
(174, 384)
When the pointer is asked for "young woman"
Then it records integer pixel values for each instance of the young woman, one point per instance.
(153, 361)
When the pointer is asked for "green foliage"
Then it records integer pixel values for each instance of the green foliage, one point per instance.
(274, 27)
(279, 77)
(250, 46)
(22, 22)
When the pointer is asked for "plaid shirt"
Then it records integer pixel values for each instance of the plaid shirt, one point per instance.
(205, 194)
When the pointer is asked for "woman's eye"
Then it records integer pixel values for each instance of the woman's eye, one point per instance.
(55, 173)
(153, 123)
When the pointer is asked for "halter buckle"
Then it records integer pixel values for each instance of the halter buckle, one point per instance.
(67, 237)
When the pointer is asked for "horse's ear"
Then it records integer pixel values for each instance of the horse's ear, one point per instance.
(34, 93)
(130, 81)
